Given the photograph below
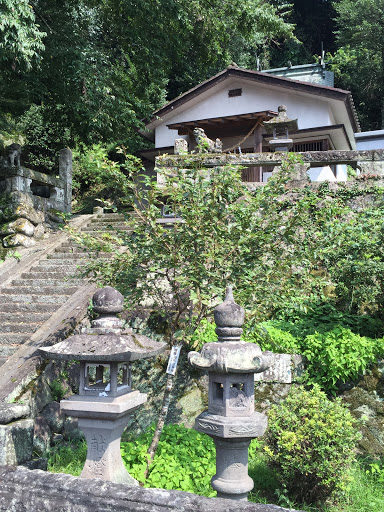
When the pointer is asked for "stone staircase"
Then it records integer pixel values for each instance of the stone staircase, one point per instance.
(30, 298)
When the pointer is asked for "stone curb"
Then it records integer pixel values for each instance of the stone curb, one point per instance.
(23, 489)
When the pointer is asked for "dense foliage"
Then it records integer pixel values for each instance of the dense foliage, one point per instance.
(310, 441)
(106, 65)
(222, 234)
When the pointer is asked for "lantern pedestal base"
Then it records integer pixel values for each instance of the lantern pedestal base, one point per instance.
(103, 456)
(231, 480)
(103, 421)
(232, 437)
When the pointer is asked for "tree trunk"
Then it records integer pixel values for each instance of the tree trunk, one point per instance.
(160, 423)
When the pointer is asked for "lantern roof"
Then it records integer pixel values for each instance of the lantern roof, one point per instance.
(106, 341)
(281, 121)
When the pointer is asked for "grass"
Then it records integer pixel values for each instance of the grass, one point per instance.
(366, 492)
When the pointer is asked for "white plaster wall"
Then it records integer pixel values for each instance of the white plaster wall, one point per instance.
(325, 173)
(321, 174)
(341, 172)
(255, 98)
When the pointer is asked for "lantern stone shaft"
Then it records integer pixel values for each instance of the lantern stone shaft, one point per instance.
(105, 400)
(231, 420)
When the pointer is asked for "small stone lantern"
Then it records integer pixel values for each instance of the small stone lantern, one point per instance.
(279, 127)
(231, 420)
(105, 398)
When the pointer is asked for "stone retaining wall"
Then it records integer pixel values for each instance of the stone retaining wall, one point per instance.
(30, 200)
(23, 490)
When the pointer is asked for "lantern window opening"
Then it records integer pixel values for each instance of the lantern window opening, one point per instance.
(238, 385)
(218, 391)
(124, 377)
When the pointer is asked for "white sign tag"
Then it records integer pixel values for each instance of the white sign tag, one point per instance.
(173, 359)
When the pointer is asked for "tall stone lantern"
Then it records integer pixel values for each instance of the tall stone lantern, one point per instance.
(231, 420)
(106, 399)
(279, 127)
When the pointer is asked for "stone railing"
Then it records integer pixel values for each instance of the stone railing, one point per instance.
(366, 162)
(22, 489)
(30, 199)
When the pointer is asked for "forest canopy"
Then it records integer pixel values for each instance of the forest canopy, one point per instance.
(80, 72)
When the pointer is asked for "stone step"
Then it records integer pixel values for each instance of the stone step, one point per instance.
(45, 290)
(109, 220)
(59, 261)
(100, 228)
(105, 216)
(18, 328)
(52, 280)
(22, 307)
(41, 274)
(69, 256)
(32, 299)
(11, 338)
(70, 249)
(77, 256)
(68, 267)
(24, 316)
(70, 244)
(7, 350)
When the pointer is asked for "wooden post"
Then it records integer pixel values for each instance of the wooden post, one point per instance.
(258, 148)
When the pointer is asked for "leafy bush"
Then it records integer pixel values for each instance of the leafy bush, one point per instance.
(205, 333)
(94, 173)
(333, 354)
(338, 355)
(185, 460)
(316, 316)
(272, 338)
(310, 442)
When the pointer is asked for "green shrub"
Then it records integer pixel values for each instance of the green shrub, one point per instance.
(205, 333)
(338, 355)
(332, 355)
(310, 442)
(272, 338)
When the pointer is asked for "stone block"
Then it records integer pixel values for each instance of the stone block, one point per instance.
(28, 212)
(181, 147)
(37, 396)
(16, 442)
(12, 412)
(41, 436)
(279, 371)
(39, 231)
(23, 226)
(71, 429)
(54, 417)
(18, 240)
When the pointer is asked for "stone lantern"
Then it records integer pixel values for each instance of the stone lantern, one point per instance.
(279, 127)
(105, 398)
(231, 420)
